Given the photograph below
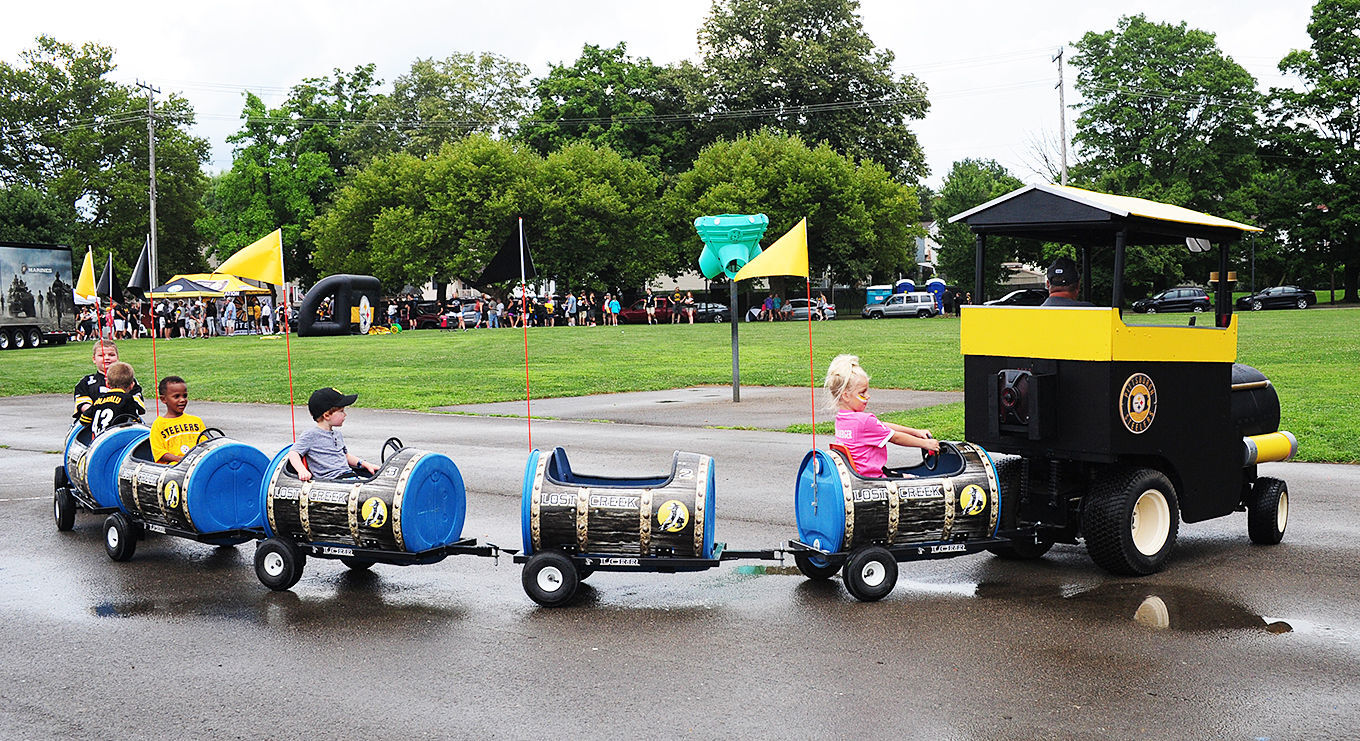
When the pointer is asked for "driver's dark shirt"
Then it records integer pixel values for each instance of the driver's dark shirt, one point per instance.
(1061, 301)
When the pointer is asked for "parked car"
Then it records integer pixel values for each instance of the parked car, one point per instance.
(715, 313)
(1279, 297)
(635, 314)
(916, 303)
(1022, 297)
(799, 309)
(1182, 298)
(427, 316)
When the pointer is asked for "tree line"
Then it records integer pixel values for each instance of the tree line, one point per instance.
(790, 110)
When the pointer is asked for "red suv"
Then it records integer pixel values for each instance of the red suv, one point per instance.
(635, 314)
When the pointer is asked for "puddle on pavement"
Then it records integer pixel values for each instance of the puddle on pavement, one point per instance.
(1169, 607)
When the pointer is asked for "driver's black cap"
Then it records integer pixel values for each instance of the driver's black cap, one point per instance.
(1063, 272)
(324, 400)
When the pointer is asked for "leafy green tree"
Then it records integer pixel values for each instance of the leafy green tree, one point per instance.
(1317, 141)
(597, 222)
(29, 215)
(972, 182)
(442, 100)
(808, 67)
(862, 224)
(290, 161)
(632, 106)
(407, 220)
(1165, 115)
(80, 139)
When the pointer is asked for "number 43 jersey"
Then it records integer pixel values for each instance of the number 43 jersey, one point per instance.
(111, 406)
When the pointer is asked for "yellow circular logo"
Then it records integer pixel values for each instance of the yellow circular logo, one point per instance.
(973, 499)
(171, 494)
(1138, 403)
(374, 512)
(672, 516)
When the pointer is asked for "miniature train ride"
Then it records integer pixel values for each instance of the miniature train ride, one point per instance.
(1079, 428)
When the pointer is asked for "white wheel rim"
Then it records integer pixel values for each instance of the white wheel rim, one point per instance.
(549, 579)
(273, 564)
(56, 508)
(1282, 512)
(1151, 522)
(111, 537)
(873, 574)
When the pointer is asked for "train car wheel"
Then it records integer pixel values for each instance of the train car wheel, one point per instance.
(1130, 521)
(870, 573)
(1268, 511)
(814, 566)
(120, 538)
(279, 564)
(59, 480)
(550, 578)
(358, 564)
(64, 509)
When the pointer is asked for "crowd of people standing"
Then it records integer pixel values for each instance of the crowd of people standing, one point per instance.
(173, 318)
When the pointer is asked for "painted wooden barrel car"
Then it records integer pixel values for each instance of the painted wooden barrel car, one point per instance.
(416, 502)
(214, 489)
(92, 462)
(667, 515)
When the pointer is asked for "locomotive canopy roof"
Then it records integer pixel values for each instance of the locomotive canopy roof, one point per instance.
(1062, 213)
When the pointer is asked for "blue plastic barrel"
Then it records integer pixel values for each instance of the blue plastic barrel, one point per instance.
(526, 503)
(103, 458)
(819, 503)
(434, 504)
(223, 491)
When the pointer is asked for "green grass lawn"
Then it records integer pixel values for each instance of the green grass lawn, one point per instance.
(1313, 357)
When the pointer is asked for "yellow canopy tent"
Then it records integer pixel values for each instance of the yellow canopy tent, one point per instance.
(227, 285)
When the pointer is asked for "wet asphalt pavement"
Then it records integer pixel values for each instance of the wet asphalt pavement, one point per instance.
(1231, 641)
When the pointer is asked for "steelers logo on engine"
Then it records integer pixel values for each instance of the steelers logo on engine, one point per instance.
(672, 516)
(374, 512)
(171, 494)
(1138, 403)
(973, 499)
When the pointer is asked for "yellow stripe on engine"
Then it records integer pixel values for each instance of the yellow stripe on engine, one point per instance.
(1093, 334)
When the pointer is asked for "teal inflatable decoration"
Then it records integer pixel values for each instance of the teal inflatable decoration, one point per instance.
(730, 241)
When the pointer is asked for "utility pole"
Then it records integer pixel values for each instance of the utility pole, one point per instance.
(151, 148)
(1062, 114)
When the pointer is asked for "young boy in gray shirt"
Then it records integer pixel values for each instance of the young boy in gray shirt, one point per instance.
(320, 452)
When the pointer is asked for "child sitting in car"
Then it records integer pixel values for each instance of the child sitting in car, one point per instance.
(320, 452)
(861, 432)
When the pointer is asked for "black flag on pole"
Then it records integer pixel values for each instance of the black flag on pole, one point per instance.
(504, 265)
(108, 283)
(140, 282)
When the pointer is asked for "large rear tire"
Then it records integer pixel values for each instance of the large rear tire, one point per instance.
(1268, 511)
(1130, 521)
(34, 338)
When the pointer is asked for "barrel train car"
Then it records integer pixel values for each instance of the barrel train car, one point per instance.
(410, 512)
(87, 479)
(575, 524)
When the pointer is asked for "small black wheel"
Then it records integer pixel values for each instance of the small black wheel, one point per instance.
(356, 563)
(1303, 303)
(392, 443)
(550, 578)
(1257, 305)
(876, 315)
(1268, 511)
(1130, 521)
(59, 479)
(120, 537)
(870, 573)
(279, 563)
(815, 566)
(64, 509)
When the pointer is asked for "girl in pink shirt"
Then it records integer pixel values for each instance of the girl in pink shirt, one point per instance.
(859, 431)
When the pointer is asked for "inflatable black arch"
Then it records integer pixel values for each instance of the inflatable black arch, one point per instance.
(348, 293)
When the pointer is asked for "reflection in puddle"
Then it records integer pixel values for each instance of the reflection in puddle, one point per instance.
(1169, 607)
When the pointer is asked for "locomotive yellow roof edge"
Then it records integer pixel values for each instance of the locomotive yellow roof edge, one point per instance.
(1095, 334)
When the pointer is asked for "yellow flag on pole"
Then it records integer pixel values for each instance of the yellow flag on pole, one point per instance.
(787, 256)
(261, 260)
(85, 285)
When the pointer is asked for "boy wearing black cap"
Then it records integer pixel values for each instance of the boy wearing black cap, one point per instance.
(1064, 284)
(320, 452)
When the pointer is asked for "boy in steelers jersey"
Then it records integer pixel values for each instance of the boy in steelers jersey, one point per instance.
(174, 433)
(93, 386)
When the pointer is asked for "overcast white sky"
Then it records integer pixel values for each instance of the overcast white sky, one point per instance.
(987, 64)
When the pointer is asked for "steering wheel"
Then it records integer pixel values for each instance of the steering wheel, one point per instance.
(394, 443)
(930, 458)
(209, 433)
